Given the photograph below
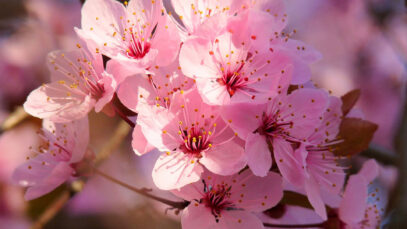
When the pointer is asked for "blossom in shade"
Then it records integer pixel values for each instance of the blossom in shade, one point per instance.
(192, 134)
(280, 125)
(356, 210)
(156, 89)
(78, 84)
(317, 169)
(229, 201)
(139, 34)
(53, 162)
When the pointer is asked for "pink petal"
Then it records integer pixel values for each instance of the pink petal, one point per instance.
(194, 191)
(175, 171)
(139, 143)
(212, 92)
(225, 159)
(59, 174)
(98, 16)
(58, 102)
(287, 164)
(74, 136)
(166, 40)
(133, 89)
(314, 196)
(258, 154)
(120, 70)
(195, 59)
(197, 216)
(239, 220)
(245, 118)
(307, 106)
(153, 121)
(353, 205)
(369, 170)
(255, 193)
(109, 86)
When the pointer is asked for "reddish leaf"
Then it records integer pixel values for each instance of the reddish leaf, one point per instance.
(355, 134)
(349, 100)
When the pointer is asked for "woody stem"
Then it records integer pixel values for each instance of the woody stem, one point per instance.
(143, 191)
(320, 225)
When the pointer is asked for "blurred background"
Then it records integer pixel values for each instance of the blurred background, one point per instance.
(363, 42)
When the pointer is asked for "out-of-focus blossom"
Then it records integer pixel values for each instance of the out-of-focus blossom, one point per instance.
(79, 83)
(53, 163)
(140, 35)
(228, 202)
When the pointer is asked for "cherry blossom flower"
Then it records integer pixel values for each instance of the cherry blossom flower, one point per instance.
(192, 134)
(228, 202)
(355, 211)
(282, 122)
(226, 73)
(79, 83)
(53, 163)
(316, 168)
(139, 36)
(204, 17)
(156, 90)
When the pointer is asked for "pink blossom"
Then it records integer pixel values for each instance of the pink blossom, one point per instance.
(205, 17)
(52, 163)
(155, 90)
(283, 122)
(138, 36)
(228, 202)
(355, 211)
(192, 134)
(79, 83)
(317, 169)
(228, 73)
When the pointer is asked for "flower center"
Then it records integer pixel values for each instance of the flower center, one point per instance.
(138, 46)
(270, 125)
(195, 141)
(137, 49)
(233, 79)
(216, 198)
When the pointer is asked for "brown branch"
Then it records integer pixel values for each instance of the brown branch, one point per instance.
(15, 118)
(120, 133)
(399, 197)
(381, 155)
(320, 225)
(143, 191)
(51, 211)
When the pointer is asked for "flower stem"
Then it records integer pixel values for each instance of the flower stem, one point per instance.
(123, 116)
(143, 192)
(320, 225)
(51, 211)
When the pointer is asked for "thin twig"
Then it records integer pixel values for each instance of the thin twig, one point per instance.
(13, 119)
(123, 116)
(381, 155)
(320, 225)
(143, 191)
(120, 133)
(51, 211)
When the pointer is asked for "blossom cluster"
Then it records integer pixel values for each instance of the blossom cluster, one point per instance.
(224, 92)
